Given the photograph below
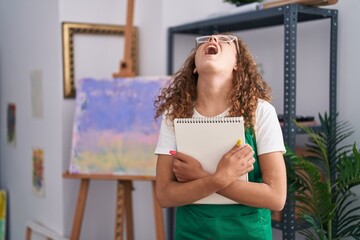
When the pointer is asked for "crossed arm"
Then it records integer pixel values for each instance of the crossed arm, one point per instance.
(180, 180)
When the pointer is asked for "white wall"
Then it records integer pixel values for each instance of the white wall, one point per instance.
(33, 41)
(348, 58)
(30, 40)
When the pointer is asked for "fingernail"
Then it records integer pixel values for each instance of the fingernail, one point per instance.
(172, 152)
(238, 143)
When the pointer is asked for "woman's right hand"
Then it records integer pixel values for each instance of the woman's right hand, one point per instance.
(235, 163)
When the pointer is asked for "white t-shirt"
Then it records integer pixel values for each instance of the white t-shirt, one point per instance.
(268, 132)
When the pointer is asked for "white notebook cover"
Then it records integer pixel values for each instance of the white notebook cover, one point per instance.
(207, 140)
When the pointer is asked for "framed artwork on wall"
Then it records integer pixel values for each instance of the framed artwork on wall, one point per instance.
(11, 124)
(71, 30)
(38, 172)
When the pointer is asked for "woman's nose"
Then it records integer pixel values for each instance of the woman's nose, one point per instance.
(213, 38)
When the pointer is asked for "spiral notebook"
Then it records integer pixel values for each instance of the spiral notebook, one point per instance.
(207, 140)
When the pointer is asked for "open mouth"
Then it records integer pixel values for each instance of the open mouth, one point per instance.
(211, 50)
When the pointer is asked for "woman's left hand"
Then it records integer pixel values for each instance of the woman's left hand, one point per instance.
(187, 168)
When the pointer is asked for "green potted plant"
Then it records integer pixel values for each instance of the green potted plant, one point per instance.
(322, 183)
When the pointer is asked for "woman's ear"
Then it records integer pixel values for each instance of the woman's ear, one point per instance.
(235, 68)
(194, 71)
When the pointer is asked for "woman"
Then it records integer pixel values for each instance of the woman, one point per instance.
(220, 78)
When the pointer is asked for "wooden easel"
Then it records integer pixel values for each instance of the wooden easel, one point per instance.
(123, 204)
(126, 69)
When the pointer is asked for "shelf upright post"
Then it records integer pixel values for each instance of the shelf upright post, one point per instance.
(332, 93)
(333, 75)
(289, 130)
(170, 212)
(170, 51)
(333, 61)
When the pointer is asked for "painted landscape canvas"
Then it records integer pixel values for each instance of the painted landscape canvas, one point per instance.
(38, 172)
(2, 214)
(114, 129)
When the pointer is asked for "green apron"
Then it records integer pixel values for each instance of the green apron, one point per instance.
(225, 222)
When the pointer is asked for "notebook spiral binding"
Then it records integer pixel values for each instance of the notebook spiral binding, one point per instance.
(209, 120)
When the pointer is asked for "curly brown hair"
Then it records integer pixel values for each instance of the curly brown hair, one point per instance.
(177, 98)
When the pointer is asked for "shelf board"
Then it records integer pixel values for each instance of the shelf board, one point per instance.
(311, 124)
(251, 20)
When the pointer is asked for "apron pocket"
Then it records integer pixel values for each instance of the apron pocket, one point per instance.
(196, 228)
(245, 227)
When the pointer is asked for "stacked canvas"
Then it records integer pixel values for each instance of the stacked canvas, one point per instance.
(276, 3)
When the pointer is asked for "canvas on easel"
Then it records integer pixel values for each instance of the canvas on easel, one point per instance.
(114, 129)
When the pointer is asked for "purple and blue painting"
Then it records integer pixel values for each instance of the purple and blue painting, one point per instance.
(114, 128)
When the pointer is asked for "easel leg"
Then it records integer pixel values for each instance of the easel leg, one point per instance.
(128, 205)
(28, 233)
(124, 211)
(159, 221)
(80, 209)
(119, 214)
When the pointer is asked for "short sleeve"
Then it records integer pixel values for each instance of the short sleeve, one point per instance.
(268, 132)
(167, 140)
